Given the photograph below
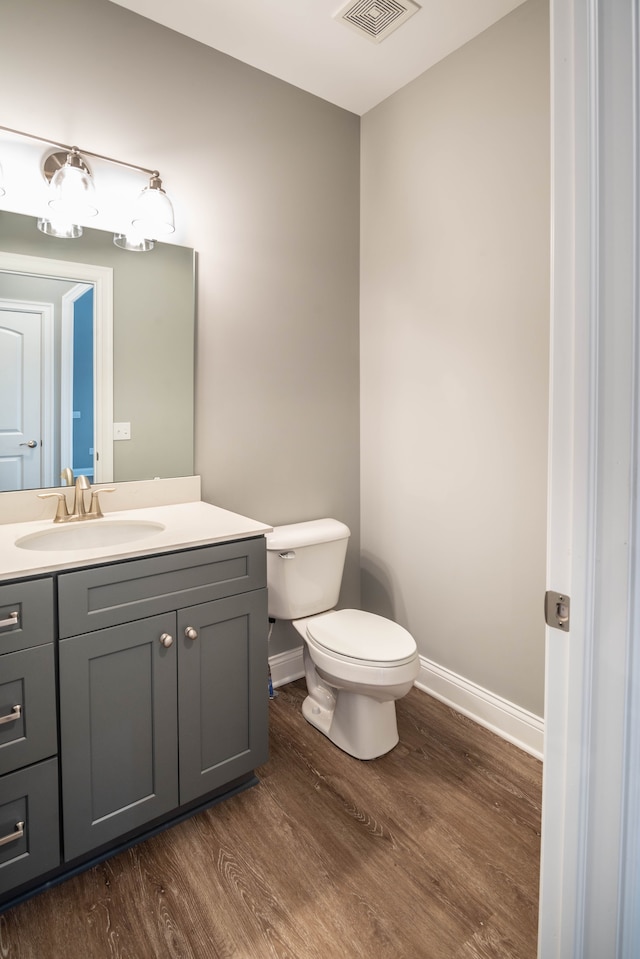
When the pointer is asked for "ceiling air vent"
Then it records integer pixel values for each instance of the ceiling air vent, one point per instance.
(376, 19)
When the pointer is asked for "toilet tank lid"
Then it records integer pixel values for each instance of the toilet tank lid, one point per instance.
(309, 533)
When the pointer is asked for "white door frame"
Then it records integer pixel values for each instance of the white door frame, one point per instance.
(66, 377)
(590, 873)
(102, 279)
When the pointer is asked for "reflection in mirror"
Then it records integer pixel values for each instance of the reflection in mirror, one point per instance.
(56, 364)
(141, 375)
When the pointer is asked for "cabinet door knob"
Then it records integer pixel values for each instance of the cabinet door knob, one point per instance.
(167, 640)
(191, 633)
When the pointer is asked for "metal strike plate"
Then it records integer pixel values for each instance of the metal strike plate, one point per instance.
(557, 610)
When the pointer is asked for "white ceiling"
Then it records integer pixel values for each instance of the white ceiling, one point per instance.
(300, 42)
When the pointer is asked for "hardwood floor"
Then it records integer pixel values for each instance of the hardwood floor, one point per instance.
(431, 852)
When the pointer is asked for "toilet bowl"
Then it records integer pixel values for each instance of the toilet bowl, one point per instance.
(357, 664)
(351, 699)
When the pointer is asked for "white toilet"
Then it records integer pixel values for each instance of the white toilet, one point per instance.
(356, 663)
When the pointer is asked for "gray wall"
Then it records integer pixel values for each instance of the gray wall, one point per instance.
(265, 180)
(454, 345)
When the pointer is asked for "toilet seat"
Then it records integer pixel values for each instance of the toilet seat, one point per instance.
(369, 639)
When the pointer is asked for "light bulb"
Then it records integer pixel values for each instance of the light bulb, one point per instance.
(60, 228)
(133, 241)
(72, 191)
(153, 212)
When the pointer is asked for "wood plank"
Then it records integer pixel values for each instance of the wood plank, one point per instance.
(430, 852)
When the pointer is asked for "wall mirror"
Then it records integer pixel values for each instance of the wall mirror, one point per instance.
(93, 336)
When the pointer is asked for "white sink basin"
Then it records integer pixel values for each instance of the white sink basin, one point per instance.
(89, 534)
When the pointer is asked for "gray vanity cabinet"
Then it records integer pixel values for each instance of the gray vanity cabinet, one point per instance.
(163, 686)
(119, 749)
(29, 835)
(222, 700)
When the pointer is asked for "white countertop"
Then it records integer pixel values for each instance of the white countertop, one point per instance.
(186, 524)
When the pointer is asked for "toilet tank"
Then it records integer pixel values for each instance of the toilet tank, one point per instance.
(304, 567)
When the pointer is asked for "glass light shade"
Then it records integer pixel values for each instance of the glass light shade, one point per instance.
(59, 228)
(72, 190)
(133, 242)
(2, 189)
(153, 212)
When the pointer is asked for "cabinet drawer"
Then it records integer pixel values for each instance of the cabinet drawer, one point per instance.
(28, 796)
(26, 614)
(27, 707)
(104, 596)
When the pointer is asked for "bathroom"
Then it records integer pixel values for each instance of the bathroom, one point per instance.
(422, 420)
(372, 339)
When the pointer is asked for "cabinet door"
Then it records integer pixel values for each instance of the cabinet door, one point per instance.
(118, 735)
(222, 691)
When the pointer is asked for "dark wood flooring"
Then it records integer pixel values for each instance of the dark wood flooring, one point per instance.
(430, 852)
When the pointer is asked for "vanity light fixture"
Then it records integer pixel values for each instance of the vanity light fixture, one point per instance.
(133, 241)
(72, 198)
(72, 193)
(60, 228)
(153, 212)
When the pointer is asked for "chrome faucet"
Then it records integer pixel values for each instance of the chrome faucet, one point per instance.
(79, 511)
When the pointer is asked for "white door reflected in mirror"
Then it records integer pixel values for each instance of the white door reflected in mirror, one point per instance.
(26, 345)
(56, 365)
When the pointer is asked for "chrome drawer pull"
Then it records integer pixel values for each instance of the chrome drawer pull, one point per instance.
(18, 833)
(11, 717)
(11, 621)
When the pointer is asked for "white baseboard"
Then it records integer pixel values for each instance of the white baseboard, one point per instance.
(510, 722)
(287, 666)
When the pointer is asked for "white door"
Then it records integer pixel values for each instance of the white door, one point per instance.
(20, 400)
(102, 280)
(590, 867)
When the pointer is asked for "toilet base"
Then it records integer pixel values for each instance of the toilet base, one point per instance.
(359, 725)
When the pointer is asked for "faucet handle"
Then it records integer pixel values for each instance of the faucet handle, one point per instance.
(62, 513)
(94, 508)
